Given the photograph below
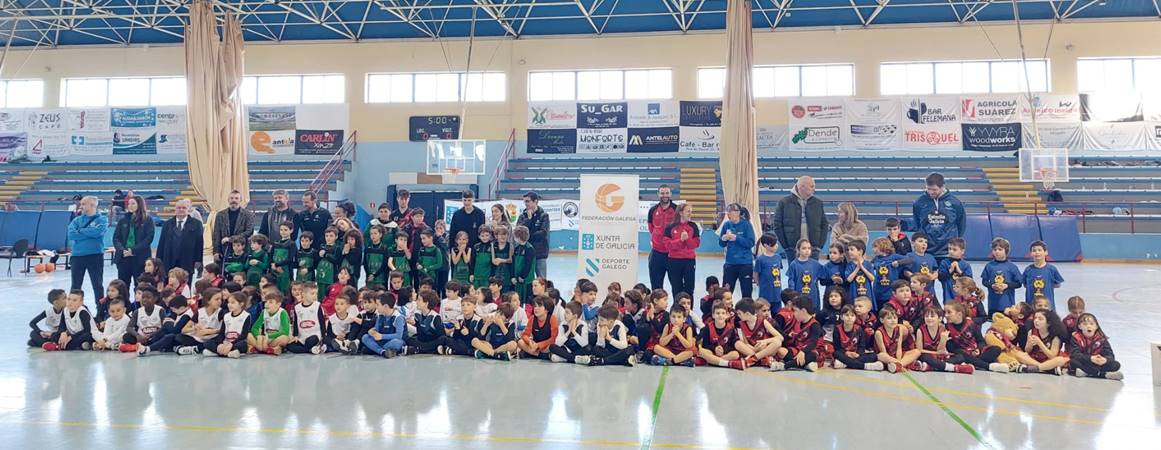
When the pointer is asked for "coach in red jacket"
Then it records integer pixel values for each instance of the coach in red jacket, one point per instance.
(659, 217)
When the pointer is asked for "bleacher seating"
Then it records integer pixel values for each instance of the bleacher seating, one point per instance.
(879, 192)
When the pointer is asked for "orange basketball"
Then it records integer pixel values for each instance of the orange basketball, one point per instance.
(50, 267)
(39, 268)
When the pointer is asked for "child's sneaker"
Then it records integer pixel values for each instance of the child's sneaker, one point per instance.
(481, 355)
(50, 347)
(208, 352)
(556, 359)
(354, 347)
(777, 366)
(186, 350)
(127, 348)
(234, 354)
(839, 365)
(390, 354)
(1114, 375)
(318, 349)
(873, 366)
(584, 360)
(631, 361)
(1021, 368)
(342, 346)
(766, 361)
(86, 346)
(1059, 371)
(659, 361)
(688, 362)
(918, 366)
(999, 368)
(1080, 373)
(142, 350)
(440, 350)
(964, 368)
(894, 367)
(738, 364)
(698, 361)
(512, 356)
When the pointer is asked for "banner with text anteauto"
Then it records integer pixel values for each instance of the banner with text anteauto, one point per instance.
(873, 124)
(608, 229)
(931, 123)
(816, 123)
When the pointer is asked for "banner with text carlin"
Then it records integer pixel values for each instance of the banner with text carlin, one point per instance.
(932, 123)
(317, 142)
(608, 229)
(873, 124)
(602, 127)
(816, 124)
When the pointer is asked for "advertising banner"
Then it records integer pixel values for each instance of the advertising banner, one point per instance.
(551, 115)
(873, 124)
(654, 140)
(932, 123)
(271, 118)
(990, 109)
(608, 229)
(317, 142)
(134, 131)
(984, 137)
(816, 123)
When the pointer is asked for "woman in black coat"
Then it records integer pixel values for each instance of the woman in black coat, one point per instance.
(132, 240)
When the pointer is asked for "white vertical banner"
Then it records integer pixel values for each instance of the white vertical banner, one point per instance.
(608, 229)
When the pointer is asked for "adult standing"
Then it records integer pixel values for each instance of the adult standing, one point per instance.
(313, 219)
(230, 222)
(276, 216)
(682, 238)
(659, 217)
(182, 239)
(800, 215)
(467, 219)
(848, 228)
(536, 219)
(738, 238)
(939, 214)
(499, 219)
(132, 240)
(87, 234)
(401, 215)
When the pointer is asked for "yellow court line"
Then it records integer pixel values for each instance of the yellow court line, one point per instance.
(925, 401)
(967, 393)
(365, 434)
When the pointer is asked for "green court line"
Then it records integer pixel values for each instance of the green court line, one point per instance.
(972, 431)
(648, 443)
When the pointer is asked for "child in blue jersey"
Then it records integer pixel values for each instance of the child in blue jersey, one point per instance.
(860, 273)
(953, 268)
(835, 269)
(1040, 277)
(803, 273)
(921, 261)
(886, 266)
(1000, 277)
(768, 269)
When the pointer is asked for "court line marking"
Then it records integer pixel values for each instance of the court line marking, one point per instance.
(924, 401)
(972, 431)
(972, 394)
(648, 442)
(361, 434)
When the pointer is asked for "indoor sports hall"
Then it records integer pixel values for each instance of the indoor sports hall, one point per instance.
(551, 224)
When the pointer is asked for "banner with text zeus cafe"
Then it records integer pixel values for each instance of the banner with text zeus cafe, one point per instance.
(608, 229)
(872, 124)
(932, 123)
(816, 123)
(61, 132)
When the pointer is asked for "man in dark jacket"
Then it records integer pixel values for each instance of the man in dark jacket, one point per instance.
(538, 225)
(659, 217)
(232, 221)
(182, 240)
(938, 214)
(313, 219)
(467, 219)
(275, 216)
(800, 215)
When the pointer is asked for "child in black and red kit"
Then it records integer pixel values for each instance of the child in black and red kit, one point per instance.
(715, 344)
(676, 344)
(654, 318)
(1092, 356)
(932, 338)
(804, 336)
(852, 346)
(966, 342)
(899, 241)
(758, 339)
(909, 311)
(1075, 309)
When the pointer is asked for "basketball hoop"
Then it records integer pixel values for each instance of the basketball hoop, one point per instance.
(1048, 177)
(453, 171)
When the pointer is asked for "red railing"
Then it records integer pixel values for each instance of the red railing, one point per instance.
(502, 167)
(328, 171)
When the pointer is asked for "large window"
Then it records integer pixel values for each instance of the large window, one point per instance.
(784, 81)
(153, 91)
(962, 77)
(293, 89)
(21, 93)
(600, 85)
(436, 87)
(1119, 74)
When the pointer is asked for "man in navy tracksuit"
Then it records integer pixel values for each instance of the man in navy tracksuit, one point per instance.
(939, 214)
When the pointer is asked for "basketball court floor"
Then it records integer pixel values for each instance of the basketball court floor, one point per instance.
(109, 400)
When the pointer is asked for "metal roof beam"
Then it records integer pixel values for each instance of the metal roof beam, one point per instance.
(406, 19)
(1072, 12)
(859, 13)
(878, 9)
(588, 15)
(290, 9)
(971, 14)
(102, 13)
(496, 12)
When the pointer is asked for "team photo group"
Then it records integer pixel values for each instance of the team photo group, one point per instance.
(802, 294)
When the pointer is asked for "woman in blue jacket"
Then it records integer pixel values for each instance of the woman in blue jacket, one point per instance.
(737, 237)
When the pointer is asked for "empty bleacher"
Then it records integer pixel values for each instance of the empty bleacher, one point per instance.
(1114, 199)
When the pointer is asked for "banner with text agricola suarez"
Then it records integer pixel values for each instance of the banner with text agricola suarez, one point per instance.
(608, 229)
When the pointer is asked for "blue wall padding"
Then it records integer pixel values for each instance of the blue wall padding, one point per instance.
(52, 233)
(979, 237)
(1062, 236)
(19, 225)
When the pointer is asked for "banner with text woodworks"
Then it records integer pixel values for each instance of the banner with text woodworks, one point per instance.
(608, 229)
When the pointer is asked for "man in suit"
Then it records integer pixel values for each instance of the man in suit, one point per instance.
(181, 243)
(230, 222)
